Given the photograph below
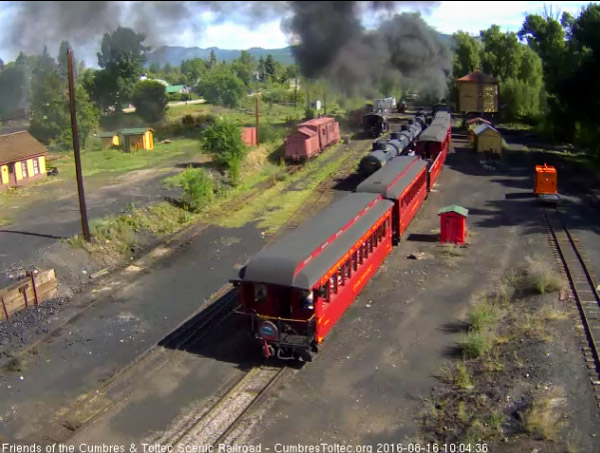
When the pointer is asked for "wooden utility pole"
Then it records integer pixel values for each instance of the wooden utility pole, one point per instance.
(325, 103)
(82, 208)
(257, 120)
(295, 93)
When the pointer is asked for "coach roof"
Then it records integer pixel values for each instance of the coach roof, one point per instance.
(392, 179)
(304, 255)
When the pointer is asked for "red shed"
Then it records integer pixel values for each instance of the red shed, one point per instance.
(249, 136)
(453, 224)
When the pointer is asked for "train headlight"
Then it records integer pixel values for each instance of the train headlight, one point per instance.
(268, 331)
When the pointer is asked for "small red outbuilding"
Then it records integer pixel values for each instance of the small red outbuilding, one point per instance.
(453, 224)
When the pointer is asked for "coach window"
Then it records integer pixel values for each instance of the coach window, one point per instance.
(340, 274)
(354, 261)
(348, 269)
(260, 293)
(333, 285)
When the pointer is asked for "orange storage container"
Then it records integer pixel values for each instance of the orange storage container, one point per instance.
(545, 180)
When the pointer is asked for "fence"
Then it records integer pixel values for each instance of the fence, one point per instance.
(27, 292)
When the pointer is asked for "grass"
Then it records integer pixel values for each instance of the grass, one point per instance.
(13, 364)
(458, 375)
(478, 344)
(536, 324)
(540, 276)
(483, 315)
(544, 418)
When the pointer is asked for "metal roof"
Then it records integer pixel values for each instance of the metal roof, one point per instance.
(108, 134)
(302, 257)
(455, 208)
(18, 146)
(317, 121)
(135, 130)
(482, 127)
(477, 77)
(392, 179)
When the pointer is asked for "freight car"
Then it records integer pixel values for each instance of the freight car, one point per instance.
(311, 138)
(294, 291)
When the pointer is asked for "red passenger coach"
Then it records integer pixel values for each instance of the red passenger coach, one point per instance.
(312, 137)
(294, 291)
(404, 181)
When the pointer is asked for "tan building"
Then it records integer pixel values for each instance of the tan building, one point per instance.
(22, 160)
(138, 138)
(487, 139)
(477, 93)
(109, 139)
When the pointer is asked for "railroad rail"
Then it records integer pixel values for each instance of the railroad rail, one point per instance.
(583, 287)
(217, 423)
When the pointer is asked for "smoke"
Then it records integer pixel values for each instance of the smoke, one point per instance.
(402, 48)
(332, 42)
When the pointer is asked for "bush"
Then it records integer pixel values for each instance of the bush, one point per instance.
(482, 315)
(197, 187)
(150, 100)
(310, 113)
(268, 133)
(223, 140)
(222, 87)
(541, 277)
(478, 344)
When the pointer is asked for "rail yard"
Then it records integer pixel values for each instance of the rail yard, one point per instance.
(379, 239)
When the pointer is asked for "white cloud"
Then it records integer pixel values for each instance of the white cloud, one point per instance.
(229, 35)
(478, 15)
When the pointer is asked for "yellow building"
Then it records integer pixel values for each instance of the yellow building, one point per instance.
(22, 160)
(477, 93)
(110, 139)
(135, 139)
(487, 139)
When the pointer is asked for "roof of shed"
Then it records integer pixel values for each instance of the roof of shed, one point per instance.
(110, 134)
(482, 127)
(174, 88)
(478, 77)
(18, 146)
(478, 119)
(455, 208)
(135, 130)
(328, 235)
(392, 179)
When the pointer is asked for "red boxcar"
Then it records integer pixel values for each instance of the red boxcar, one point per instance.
(294, 291)
(325, 129)
(404, 181)
(436, 138)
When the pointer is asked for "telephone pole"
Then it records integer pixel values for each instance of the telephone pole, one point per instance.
(82, 208)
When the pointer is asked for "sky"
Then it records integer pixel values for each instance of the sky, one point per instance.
(447, 17)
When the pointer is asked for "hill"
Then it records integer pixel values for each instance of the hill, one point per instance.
(174, 55)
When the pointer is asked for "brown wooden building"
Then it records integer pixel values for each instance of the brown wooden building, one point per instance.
(22, 160)
(477, 93)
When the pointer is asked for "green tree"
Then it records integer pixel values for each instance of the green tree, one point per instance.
(51, 120)
(261, 69)
(63, 66)
(193, 70)
(212, 61)
(12, 89)
(270, 70)
(150, 100)
(243, 68)
(154, 68)
(122, 56)
(466, 54)
(502, 53)
(221, 86)
(223, 140)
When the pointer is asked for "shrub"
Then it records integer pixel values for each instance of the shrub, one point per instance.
(482, 315)
(541, 277)
(197, 187)
(223, 140)
(477, 344)
(269, 133)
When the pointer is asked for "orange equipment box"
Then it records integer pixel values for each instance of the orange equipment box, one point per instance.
(545, 180)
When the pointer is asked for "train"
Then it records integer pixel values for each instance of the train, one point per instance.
(311, 138)
(293, 292)
(400, 142)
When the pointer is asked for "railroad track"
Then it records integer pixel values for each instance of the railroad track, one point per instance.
(217, 423)
(190, 332)
(583, 290)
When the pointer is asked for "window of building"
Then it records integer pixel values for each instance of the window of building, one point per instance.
(36, 167)
(24, 169)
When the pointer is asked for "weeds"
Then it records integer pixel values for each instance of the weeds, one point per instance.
(458, 375)
(198, 188)
(14, 364)
(544, 419)
(540, 276)
(478, 344)
(483, 315)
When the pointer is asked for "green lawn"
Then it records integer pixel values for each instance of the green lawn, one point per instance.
(112, 161)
